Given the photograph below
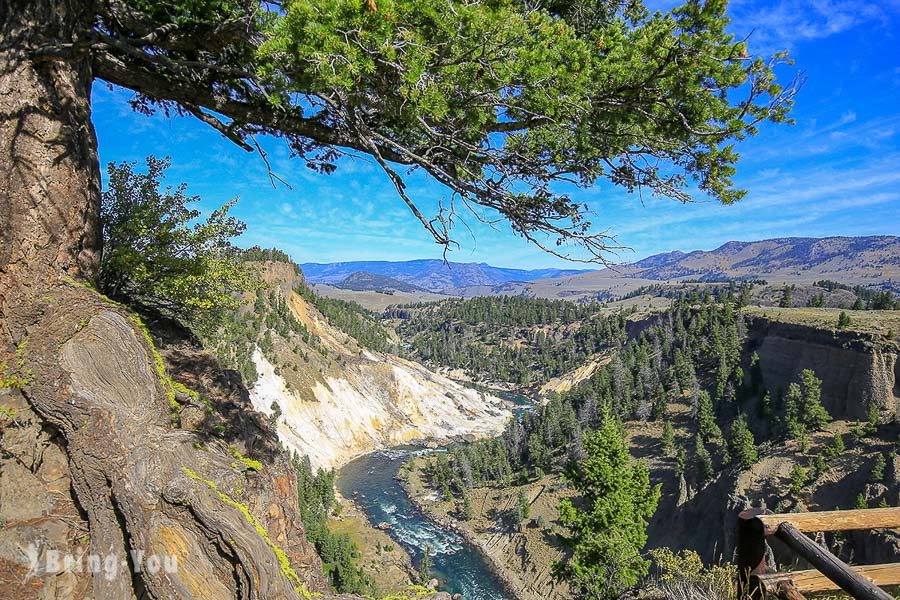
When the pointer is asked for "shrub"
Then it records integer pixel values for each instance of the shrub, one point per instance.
(158, 255)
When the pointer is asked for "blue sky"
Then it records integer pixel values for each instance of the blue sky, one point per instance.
(836, 172)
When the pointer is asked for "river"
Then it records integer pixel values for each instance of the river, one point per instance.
(370, 482)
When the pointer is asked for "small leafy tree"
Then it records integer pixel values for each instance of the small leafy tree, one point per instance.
(158, 255)
(861, 501)
(609, 526)
(743, 444)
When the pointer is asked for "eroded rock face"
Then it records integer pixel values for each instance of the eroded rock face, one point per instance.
(857, 371)
(91, 465)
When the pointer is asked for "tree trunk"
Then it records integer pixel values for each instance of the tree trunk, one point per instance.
(50, 188)
(87, 369)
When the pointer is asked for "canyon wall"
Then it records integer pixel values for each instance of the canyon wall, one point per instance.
(339, 400)
(858, 370)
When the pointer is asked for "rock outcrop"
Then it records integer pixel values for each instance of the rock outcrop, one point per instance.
(858, 371)
(344, 400)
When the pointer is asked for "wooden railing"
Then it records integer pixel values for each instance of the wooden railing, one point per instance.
(758, 580)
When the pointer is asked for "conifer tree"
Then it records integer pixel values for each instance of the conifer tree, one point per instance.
(878, 466)
(708, 430)
(742, 443)
(609, 526)
(703, 463)
(835, 446)
(668, 438)
(799, 478)
(814, 415)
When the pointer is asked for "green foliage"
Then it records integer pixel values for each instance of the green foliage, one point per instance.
(158, 255)
(540, 94)
(844, 320)
(509, 338)
(707, 428)
(786, 300)
(523, 508)
(798, 478)
(742, 443)
(257, 254)
(349, 317)
(878, 465)
(424, 570)
(339, 554)
(608, 529)
(803, 409)
(685, 572)
(668, 438)
(861, 502)
(814, 414)
(248, 463)
(835, 446)
(702, 463)
(466, 509)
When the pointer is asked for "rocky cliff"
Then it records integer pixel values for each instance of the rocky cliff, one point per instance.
(858, 370)
(338, 399)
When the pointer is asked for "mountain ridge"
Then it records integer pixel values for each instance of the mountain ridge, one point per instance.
(431, 274)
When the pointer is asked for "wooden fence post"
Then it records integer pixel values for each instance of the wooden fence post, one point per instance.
(751, 553)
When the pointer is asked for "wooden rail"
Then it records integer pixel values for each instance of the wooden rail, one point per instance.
(758, 579)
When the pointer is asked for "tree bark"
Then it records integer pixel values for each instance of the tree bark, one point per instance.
(87, 369)
(50, 186)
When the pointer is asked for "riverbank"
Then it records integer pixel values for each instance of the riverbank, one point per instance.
(457, 565)
(385, 562)
(521, 557)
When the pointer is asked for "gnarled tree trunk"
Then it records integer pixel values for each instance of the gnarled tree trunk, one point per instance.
(83, 363)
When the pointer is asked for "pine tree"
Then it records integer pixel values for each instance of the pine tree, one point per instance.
(786, 297)
(742, 443)
(814, 415)
(835, 446)
(793, 423)
(467, 512)
(668, 438)
(861, 502)
(609, 526)
(424, 571)
(799, 478)
(703, 463)
(523, 507)
(707, 428)
(878, 466)
(680, 460)
(843, 320)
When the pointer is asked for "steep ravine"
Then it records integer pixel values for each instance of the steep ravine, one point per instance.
(339, 400)
(379, 400)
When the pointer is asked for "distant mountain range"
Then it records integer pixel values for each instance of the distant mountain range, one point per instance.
(432, 275)
(868, 261)
(872, 261)
(361, 281)
(870, 257)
